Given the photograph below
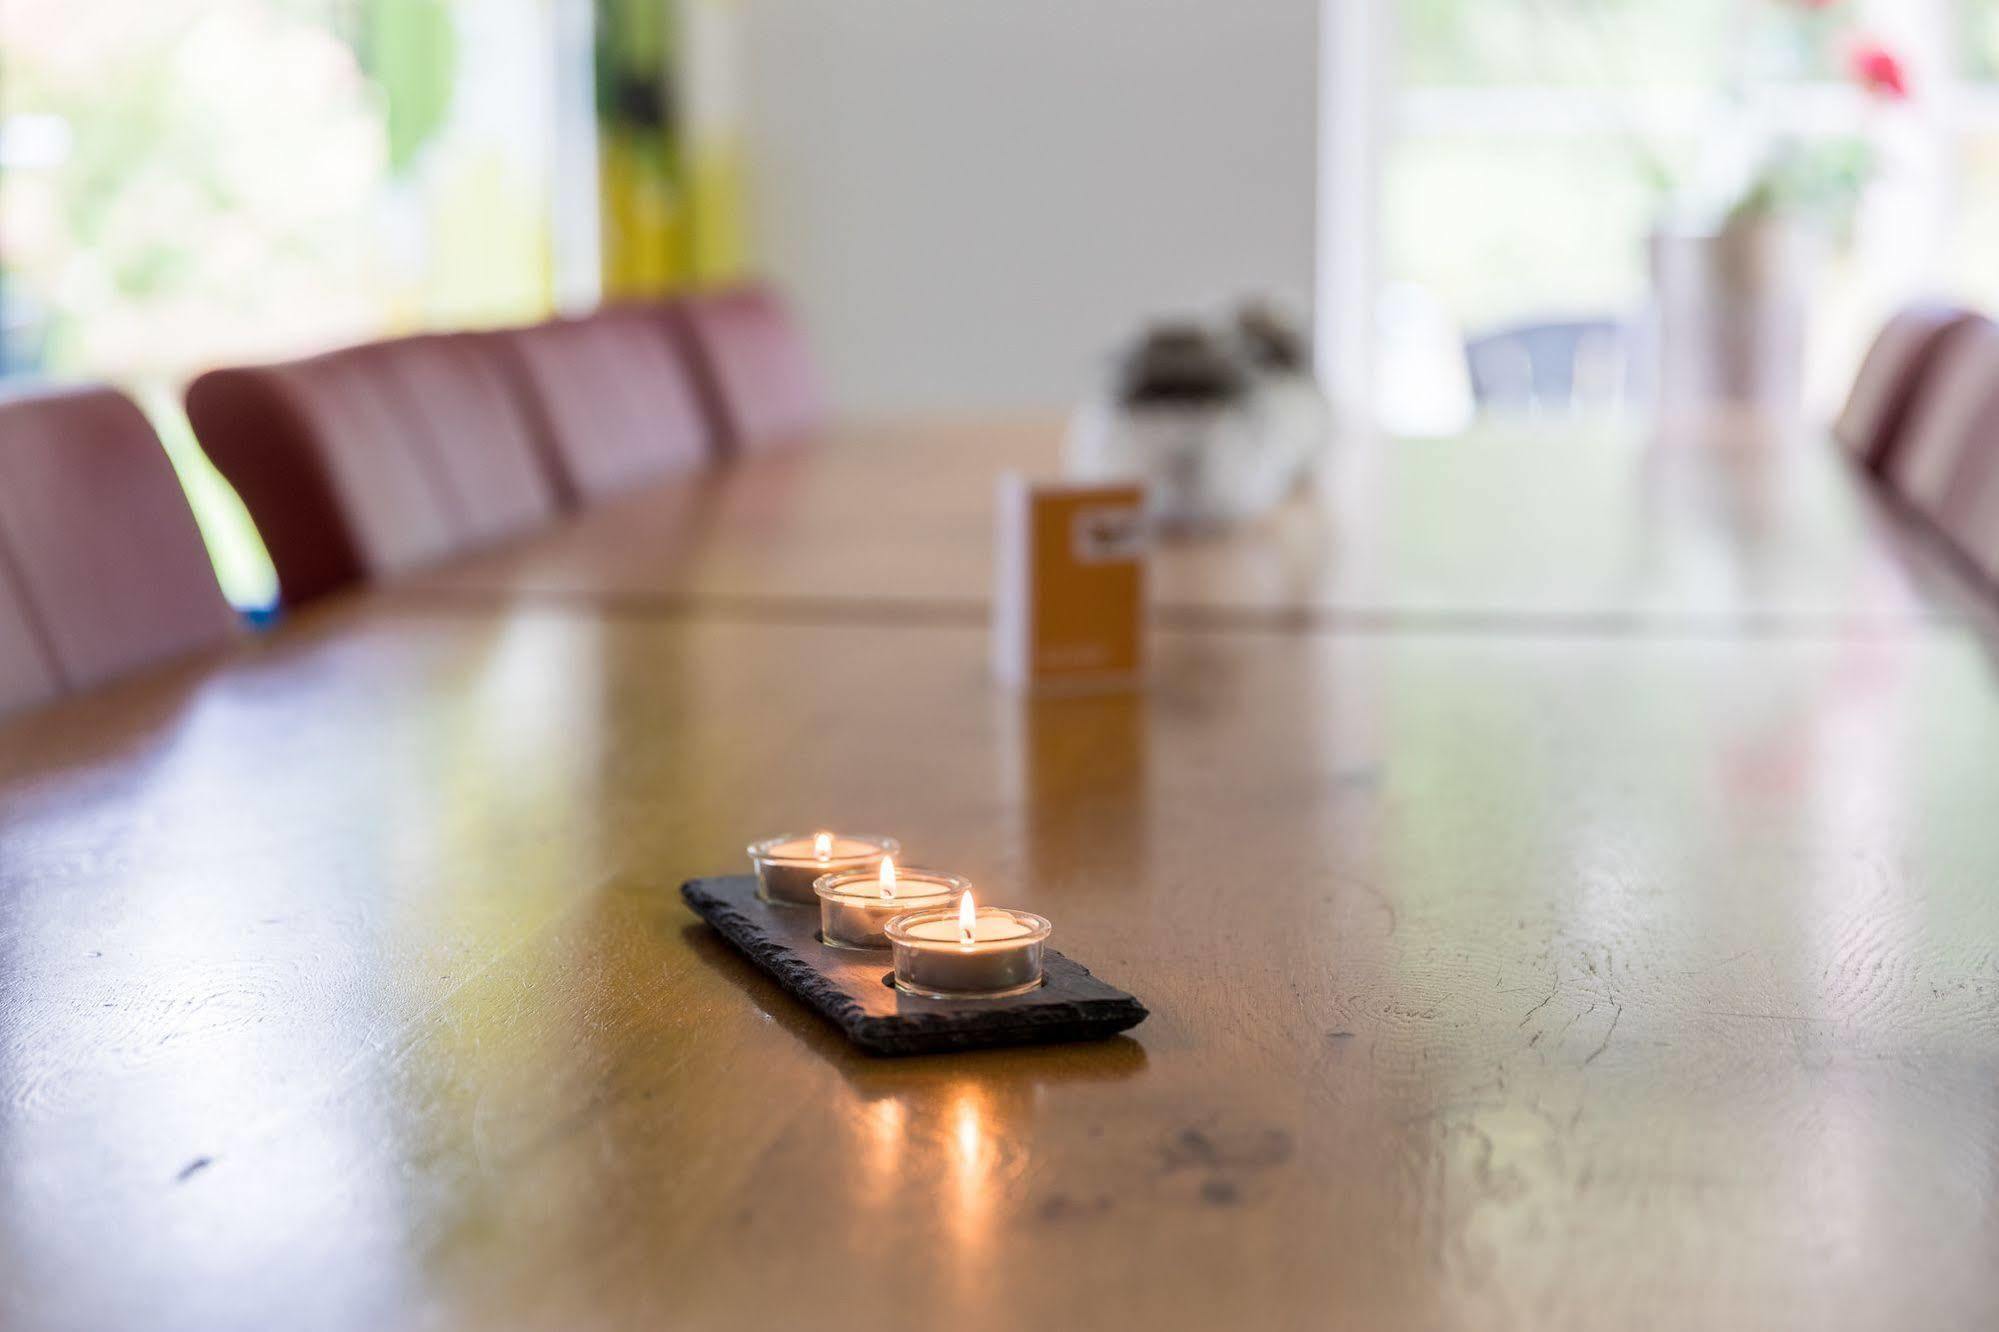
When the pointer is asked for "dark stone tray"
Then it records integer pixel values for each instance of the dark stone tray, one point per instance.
(851, 988)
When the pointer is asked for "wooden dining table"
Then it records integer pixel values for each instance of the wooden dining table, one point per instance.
(1556, 527)
(1559, 865)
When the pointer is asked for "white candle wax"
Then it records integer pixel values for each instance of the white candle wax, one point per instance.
(933, 956)
(836, 847)
(992, 926)
(788, 866)
(855, 908)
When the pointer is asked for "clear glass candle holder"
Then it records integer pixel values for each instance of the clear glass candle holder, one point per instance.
(788, 866)
(854, 914)
(933, 959)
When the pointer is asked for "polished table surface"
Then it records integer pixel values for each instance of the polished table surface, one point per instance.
(1565, 527)
(1501, 975)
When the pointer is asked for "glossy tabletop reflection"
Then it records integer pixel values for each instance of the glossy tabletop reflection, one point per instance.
(1497, 980)
(1564, 528)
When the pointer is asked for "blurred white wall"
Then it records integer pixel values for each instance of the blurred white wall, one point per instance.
(974, 200)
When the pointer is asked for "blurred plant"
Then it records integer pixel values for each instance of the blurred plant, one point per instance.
(210, 197)
(1753, 163)
(1804, 179)
(1817, 178)
(410, 49)
(1876, 68)
(189, 182)
(198, 194)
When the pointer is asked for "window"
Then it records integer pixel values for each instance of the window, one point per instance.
(190, 182)
(1530, 148)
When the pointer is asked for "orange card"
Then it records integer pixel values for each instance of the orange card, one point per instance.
(1069, 599)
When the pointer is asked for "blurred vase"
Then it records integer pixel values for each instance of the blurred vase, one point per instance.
(1182, 416)
(1729, 311)
(1204, 465)
(1296, 415)
(1218, 427)
(1298, 421)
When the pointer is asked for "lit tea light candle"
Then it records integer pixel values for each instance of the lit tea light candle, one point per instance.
(788, 866)
(855, 907)
(967, 953)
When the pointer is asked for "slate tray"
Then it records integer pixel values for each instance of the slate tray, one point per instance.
(850, 988)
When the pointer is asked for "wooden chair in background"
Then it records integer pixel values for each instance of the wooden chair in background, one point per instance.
(368, 461)
(1952, 423)
(612, 400)
(755, 369)
(1891, 379)
(105, 572)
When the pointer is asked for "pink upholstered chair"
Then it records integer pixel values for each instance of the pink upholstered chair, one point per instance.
(375, 459)
(1949, 465)
(108, 564)
(1888, 385)
(756, 371)
(1970, 519)
(27, 670)
(460, 388)
(1953, 425)
(613, 402)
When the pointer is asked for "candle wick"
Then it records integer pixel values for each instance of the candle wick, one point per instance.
(968, 920)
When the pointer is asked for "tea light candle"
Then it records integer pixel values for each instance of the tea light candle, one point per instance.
(967, 953)
(856, 906)
(788, 866)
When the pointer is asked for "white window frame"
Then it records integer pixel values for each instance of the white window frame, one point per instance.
(1362, 112)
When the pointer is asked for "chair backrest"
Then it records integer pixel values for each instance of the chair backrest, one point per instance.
(375, 459)
(1890, 380)
(27, 668)
(98, 533)
(1970, 516)
(1551, 365)
(1948, 465)
(461, 387)
(612, 399)
(1953, 421)
(756, 371)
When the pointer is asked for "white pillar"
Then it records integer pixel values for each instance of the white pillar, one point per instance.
(575, 195)
(1353, 49)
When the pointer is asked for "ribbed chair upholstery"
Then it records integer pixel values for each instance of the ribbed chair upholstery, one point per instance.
(27, 670)
(1891, 378)
(1953, 425)
(100, 542)
(1948, 466)
(756, 370)
(376, 459)
(460, 385)
(613, 400)
(1970, 516)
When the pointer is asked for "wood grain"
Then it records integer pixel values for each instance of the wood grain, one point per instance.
(1497, 980)
(1579, 530)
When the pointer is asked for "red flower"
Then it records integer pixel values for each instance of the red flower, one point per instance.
(1877, 69)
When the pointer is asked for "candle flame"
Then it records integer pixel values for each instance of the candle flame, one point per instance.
(888, 878)
(968, 918)
(822, 845)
